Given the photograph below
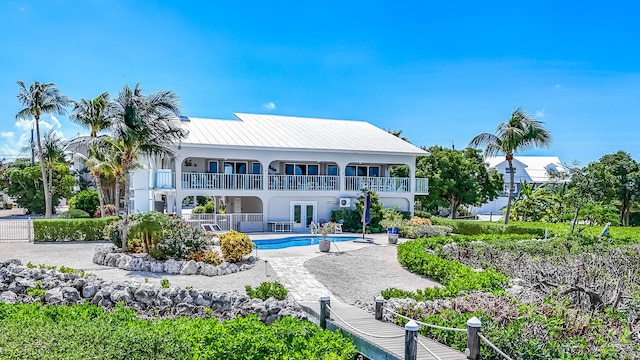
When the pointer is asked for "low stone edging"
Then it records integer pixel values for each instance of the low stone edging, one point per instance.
(110, 255)
(148, 300)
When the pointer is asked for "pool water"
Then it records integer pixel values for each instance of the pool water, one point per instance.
(282, 243)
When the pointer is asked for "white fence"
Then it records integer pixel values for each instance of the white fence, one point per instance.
(16, 230)
(225, 221)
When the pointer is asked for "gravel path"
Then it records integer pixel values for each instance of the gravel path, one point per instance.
(362, 274)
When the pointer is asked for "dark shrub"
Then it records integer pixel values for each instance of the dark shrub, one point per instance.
(86, 200)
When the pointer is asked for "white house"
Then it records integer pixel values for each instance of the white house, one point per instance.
(278, 172)
(535, 170)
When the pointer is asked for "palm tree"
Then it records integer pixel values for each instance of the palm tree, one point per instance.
(144, 125)
(93, 114)
(520, 132)
(96, 116)
(53, 147)
(39, 99)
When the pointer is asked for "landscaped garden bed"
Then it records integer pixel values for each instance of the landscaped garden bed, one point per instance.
(560, 297)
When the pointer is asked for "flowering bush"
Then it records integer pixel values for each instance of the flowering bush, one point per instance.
(206, 256)
(327, 228)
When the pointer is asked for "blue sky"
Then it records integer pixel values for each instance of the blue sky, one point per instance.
(441, 72)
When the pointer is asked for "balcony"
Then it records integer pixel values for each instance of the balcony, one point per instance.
(304, 182)
(216, 181)
(378, 184)
(422, 186)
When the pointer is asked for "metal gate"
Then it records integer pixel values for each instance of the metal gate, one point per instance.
(16, 230)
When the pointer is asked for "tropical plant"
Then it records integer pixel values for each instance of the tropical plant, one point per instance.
(148, 228)
(143, 125)
(520, 132)
(39, 99)
(235, 245)
(266, 290)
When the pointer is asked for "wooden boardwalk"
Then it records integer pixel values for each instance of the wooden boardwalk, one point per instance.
(378, 339)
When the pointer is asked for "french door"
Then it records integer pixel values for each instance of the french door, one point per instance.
(303, 213)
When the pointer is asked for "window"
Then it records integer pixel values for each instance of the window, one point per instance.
(233, 167)
(363, 170)
(508, 171)
(213, 166)
(301, 169)
(256, 168)
(332, 170)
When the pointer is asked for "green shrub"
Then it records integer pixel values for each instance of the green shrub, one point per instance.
(208, 208)
(351, 219)
(164, 283)
(52, 230)
(87, 332)
(468, 227)
(86, 200)
(235, 245)
(207, 256)
(178, 240)
(454, 276)
(74, 214)
(267, 290)
(408, 231)
(422, 214)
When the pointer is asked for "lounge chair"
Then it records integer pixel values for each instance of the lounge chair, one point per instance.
(213, 230)
(338, 226)
(313, 228)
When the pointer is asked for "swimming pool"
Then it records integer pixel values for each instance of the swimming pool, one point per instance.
(281, 243)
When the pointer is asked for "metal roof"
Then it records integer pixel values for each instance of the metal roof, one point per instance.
(537, 167)
(294, 133)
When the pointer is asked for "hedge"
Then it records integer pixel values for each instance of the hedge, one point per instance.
(454, 276)
(53, 230)
(467, 227)
(87, 332)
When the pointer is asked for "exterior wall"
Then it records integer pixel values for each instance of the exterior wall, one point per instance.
(273, 204)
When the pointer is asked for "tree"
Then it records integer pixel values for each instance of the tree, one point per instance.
(144, 125)
(457, 177)
(39, 99)
(96, 116)
(520, 132)
(25, 185)
(616, 179)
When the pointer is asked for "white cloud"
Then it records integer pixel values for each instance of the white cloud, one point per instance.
(269, 106)
(7, 134)
(558, 86)
(540, 113)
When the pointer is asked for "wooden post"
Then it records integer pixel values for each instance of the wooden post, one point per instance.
(473, 340)
(324, 310)
(379, 304)
(411, 340)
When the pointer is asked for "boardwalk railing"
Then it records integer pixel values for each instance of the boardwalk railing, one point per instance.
(16, 230)
(412, 328)
(226, 222)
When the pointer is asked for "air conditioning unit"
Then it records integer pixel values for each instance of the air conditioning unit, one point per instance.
(345, 202)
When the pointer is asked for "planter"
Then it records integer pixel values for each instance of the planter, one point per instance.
(392, 235)
(324, 245)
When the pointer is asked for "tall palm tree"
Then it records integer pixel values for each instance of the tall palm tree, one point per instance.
(144, 125)
(39, 99)
(521, 132)
(53, 147)
(95, 115)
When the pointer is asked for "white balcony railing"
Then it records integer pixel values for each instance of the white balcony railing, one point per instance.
(422, 186)
(225, 221)
(378, 184)
(304, 182)
(222, 181)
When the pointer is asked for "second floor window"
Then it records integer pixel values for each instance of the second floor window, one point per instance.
(301, 169)
(362, 170)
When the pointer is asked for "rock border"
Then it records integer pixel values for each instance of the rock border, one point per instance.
(146, 299)
(110, 255)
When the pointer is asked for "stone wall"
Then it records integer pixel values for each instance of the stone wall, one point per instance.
(149, 301)
(110, 255)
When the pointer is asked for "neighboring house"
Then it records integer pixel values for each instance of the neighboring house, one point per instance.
(536, 170)
(278, 172)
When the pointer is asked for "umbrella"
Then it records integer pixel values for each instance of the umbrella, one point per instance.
(366, 211)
